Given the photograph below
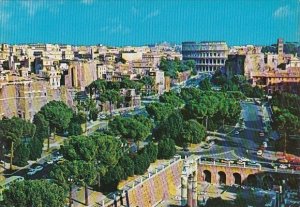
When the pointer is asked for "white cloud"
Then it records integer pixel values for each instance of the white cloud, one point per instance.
(32, 6)
(115, 29)
(87, 1)
(282, 11)
(152, 14)
(4, 14)
(4, 17)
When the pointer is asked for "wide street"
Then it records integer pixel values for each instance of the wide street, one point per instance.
(238, 141)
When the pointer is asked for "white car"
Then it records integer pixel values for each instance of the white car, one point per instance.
(282, 166)
(102, 117)
(31, 172)
(236, 132)
(50, 162)
(243, 159)
(259, 152)
(38, 168)
(240, 162)
(251, 162)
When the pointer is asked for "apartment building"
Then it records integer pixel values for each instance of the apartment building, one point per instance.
(278, 80)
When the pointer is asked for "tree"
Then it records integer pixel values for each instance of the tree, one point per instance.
(131, 84)
(75, 124)
(145, 121)
(188, 94)
(22, 155)
(171, 98)
(141, 163)
(129, 128)
(42, 126)
(191, 65)
(112, 96)
(79, 148)
(109, 151)
(34, 193)
(192, 132)
(127, 164)
(74, 129)
(171, 127)
(166, 148)
(151, 150)
(13, 132)
(205, 85)
(148, 82)
(286, 123)
(90, 107)
(112, 178)
(158, 111)
(35, 148)
(58, 114)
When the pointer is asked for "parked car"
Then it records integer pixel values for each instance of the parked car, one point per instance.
(236, 132)
(272, 165)
(251, 162)
(282, 166)
(261, 134)
(206, 146)
(39, 168)
(229, 161)
(259, 153)
(31, 172)
(243, 159)
(50, 162)
(296, 167)
(240, 162)
(283, 160)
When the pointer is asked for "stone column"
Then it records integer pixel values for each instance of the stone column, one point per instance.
(183, 190)
(194, 183)
(190, 191)
(127, 199)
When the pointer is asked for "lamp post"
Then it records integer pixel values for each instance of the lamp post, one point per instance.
(70, 180)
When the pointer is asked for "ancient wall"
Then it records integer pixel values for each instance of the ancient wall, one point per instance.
(159, 185)
(26, 99)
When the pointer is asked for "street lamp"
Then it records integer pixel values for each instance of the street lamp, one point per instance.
(70, 180)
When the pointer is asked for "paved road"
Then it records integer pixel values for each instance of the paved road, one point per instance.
(246, 143)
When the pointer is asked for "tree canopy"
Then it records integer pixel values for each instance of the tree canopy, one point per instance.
(34, 193)
(58, 114)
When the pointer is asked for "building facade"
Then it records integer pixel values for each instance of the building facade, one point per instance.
(208, 56)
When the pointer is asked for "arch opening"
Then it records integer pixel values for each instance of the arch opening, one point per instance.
(222, 178)
(268, 182)
(237, 178)
(252, 181)
(207, 176)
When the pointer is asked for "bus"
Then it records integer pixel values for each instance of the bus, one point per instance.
(4, 184)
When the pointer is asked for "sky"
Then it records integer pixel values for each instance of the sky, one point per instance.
(141, 22)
